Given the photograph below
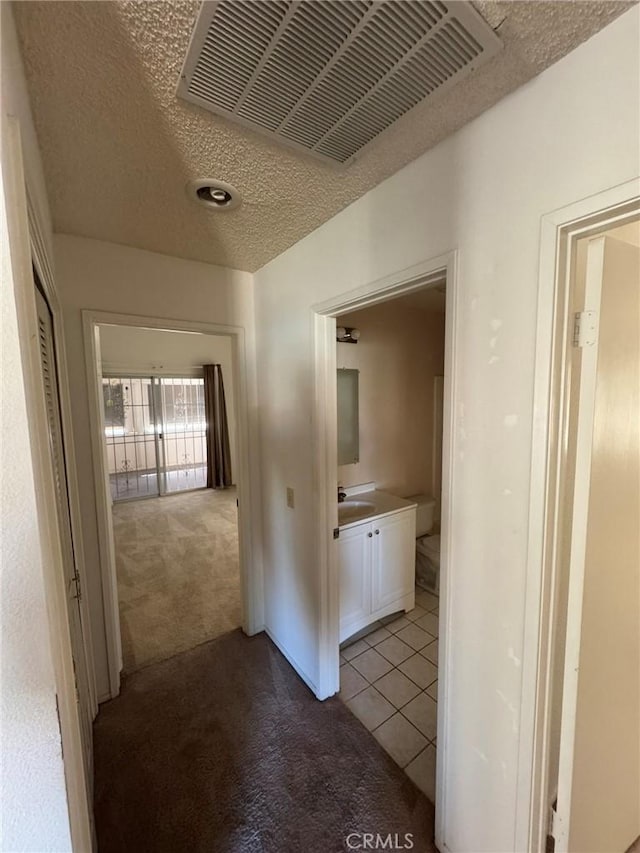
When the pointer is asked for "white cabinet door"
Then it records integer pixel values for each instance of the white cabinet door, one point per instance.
(393, 569)
(354, 569)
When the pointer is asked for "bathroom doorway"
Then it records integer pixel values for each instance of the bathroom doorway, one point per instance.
(420, 694)
(389, 487)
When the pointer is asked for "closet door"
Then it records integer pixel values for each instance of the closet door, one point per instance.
(74, 591)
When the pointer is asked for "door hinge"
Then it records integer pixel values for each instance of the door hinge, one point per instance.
(336, 532)
(585, 328)
(555, 822)
(76, 589)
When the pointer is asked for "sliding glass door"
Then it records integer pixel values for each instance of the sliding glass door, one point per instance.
(155, 435)
(182, 434)
(130, 436)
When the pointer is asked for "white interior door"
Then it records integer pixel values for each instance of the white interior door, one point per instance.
(598, 808)
(74, 591)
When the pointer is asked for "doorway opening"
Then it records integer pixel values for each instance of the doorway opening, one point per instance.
(176, 541)
(169, 420)
(384, 638)
(389, 483)
(594, 778)
(584, 574)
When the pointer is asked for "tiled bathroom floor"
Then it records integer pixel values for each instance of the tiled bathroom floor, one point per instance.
(389, 680)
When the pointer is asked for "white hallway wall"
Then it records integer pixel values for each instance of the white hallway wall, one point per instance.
(105, 277)
(33, 794)
(571, 132)
(125, 348)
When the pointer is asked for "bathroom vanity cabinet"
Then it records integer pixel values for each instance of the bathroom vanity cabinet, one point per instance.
(376, 567)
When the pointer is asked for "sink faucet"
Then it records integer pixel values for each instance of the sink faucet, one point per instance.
(341, 494)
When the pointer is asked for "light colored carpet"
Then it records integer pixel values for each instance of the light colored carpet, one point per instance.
(178, 576)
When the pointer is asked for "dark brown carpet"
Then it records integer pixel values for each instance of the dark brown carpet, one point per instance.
(224, 750)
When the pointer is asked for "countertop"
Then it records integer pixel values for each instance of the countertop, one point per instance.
(383, 503)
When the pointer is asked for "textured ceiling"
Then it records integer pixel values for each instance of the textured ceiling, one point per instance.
(118, 146)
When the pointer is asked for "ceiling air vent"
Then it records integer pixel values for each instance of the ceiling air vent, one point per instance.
(328, 76)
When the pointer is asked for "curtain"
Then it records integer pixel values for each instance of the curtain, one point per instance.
(218, 453)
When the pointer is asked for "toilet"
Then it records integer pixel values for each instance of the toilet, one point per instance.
(427, 545)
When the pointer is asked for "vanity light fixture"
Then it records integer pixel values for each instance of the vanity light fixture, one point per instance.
(344, 335)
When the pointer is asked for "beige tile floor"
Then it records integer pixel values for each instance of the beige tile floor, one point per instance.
(389, 680)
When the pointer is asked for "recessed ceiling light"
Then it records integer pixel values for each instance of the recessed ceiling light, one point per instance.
(214, 194)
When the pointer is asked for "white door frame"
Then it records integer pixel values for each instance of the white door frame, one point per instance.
(583, 443)
(560, 231)
(250, 579)
(401, 283)
(28, 247)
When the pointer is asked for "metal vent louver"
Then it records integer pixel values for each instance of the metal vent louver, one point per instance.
(328, 76)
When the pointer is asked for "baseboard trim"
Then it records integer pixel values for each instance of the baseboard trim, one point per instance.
(294, 663)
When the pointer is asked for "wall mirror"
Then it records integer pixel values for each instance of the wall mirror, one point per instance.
(348, 425)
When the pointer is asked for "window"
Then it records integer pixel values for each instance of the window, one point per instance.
(113, 397)
(183, 404)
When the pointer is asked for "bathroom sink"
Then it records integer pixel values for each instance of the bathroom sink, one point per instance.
(353, 510)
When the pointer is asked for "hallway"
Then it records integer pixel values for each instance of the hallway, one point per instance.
(223, 749)
(178, 574)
